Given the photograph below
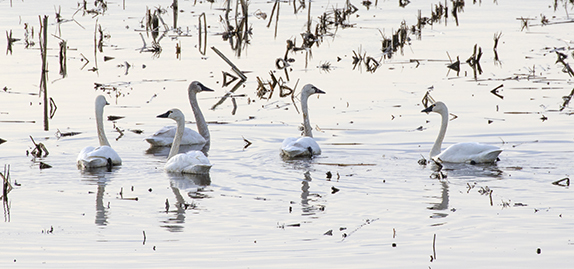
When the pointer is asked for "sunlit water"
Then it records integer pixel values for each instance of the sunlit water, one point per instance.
(257, 210)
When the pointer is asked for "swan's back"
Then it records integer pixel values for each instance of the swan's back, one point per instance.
(470, 152)
(303, 146)
(164, 137)
(193, 162)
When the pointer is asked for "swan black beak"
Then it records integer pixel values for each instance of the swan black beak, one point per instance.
(317, 90)
(164, 115)
(205, 89)
(428, 109)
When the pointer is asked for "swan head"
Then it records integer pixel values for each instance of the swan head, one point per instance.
(174, 114)
(196, 87)
(101, 101)
(309, 89)
(438, 107)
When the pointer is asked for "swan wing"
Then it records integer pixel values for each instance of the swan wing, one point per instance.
(300, 147)
(193, 162)
(470, 152)
(164, 137)
(91, 157)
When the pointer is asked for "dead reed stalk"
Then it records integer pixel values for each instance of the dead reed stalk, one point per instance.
(44, 75)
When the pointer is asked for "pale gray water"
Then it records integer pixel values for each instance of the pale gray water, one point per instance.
(257, 210)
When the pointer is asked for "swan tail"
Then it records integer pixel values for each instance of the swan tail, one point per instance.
(198, 169)
(492, 156)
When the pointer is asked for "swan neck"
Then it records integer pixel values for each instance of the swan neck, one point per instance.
(100, 126)
(436, 149)
(177, 139)
(199, 119)
(307, 130)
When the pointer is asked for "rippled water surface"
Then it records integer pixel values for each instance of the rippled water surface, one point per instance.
(365, 202)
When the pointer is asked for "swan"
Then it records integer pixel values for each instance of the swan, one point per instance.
(468, 152)
(305, 145)
(164, 136)
(103, 155)
(192, 162)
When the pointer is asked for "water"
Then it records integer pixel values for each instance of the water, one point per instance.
(256, 210)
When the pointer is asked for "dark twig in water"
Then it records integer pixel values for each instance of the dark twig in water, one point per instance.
(433, 257)
(566, 99)
(565, 182)
(367, 222)
(495, 91)
(233, 67)
(247, 143)
(203, 34)
(39, 149)
(44, 75)
(561, 58)
(6, 188)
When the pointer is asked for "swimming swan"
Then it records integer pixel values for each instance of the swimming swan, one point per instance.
(164, 136)
(469, 152)
(192, 162)
(305, 145)
(103, 155)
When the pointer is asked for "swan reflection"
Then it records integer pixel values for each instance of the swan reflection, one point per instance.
(441, 207)
(192, 186)
(164, 151)
(100, 177)
(308, 199)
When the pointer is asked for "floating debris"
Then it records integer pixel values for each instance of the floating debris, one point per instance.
(2, 141)
(59, 134)
(6, 188)
(247, 143)
(44, 166)
(495, 91)
(334, 190)
(114, 118)
(565, 182)
(11, 40)
(39, 149)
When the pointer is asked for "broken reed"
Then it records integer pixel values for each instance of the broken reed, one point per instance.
(44, 75)
(202, 34)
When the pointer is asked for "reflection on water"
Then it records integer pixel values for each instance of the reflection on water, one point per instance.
(164, 151)
(443, 204)
(487, 170)
(307, 197)
(100, 176)
(458, 170)
(192, 184)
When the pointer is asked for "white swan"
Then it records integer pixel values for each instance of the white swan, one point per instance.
(164, 136)
(305, 145)
(103, 155)
(192, 162)
(469, 152)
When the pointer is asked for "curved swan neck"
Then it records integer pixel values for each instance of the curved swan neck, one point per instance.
(436, 149)
(177, 139)
(100, 126)
(199, 119)
(307, 130)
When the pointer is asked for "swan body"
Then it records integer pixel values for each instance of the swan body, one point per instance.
(195, 161)
(468, 152)
(104, 155)
(192, 162)
(304, 146)
(300, 146)
(164, 136)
